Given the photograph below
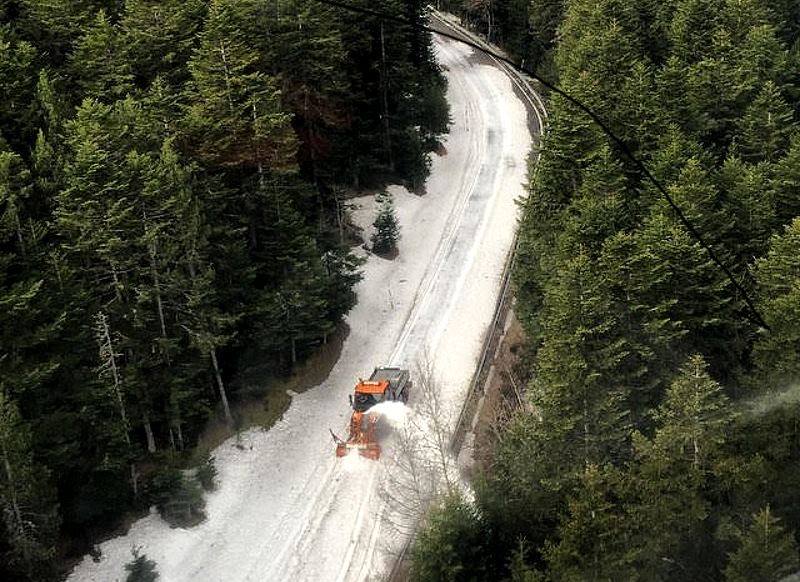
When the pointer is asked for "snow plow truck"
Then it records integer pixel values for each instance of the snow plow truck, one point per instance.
(385, 384)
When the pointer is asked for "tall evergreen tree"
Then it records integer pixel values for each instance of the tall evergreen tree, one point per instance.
(778, 274)
(578, 396)
(592, 537)
(18, 61)
(30, 516)
(158, 37)
(235, 112)
(766, 552)
(55, 25)
(387, 231)
(766, 126)
(98, 62)
(786, 183)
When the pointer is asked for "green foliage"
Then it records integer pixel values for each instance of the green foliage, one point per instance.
(29, 511)
(786, 183)
(179, 498)
(589, 546)
(158, 37)
(18, 61)
(98, 63)
(207, 474)
(387, 231)
(235, 116)
(450, 547)
(766, 552)
(657, 418)
(776, 354)
(766, 126)
(519, 569)
(693, 417)
(140, 569)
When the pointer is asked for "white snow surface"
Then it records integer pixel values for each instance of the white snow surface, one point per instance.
(287, 508)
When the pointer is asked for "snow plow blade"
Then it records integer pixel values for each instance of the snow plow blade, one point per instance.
(368, 450)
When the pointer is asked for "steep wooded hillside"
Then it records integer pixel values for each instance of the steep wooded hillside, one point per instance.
(171, 185)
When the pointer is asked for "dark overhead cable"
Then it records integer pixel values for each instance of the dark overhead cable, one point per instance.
(754, 316)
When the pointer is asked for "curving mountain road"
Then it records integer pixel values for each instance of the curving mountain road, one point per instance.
(287, 508)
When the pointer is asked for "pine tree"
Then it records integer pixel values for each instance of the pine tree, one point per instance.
(51, 106)
(545, 16)
(596, 38)
(15, 189)
(54, 26)
(592, 536)
(185, 263)
(18, 81)
(643, 120)
(682, 296)
(766, 126)
(701, 202)
(111, 225)
(304, 49)
(554, 183)
(576, 390)
(777, 354)
(387, 231)
(296, 312)
(693, 23)
(746, 189)
(235, 114)
(29, 516)
(765, 55)
(99, 64)
(158, 38)
(140, 569)
(766, 552)
(693, 417)
(449, 548)
(28, 320)
(669, 476)
(602, 206)
(786, 183)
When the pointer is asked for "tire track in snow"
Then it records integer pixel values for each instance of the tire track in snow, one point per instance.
(313, 514)
(423, 295)
(325, 498)
(481, 174)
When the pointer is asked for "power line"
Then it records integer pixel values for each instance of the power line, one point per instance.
(755, 315)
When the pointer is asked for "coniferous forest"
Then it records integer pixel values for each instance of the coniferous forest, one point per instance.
(659, 439)
(172, 176)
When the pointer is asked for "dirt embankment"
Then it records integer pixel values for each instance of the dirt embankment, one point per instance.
(503, 394)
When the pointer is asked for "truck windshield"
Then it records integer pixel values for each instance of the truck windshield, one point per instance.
(363, 401)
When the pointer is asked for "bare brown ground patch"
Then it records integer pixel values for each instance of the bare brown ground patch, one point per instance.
(504, 394)
(273, 394)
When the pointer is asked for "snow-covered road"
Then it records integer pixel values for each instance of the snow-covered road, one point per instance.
(287, 508)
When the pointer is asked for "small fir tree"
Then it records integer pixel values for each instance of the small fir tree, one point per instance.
(140, 569)
(766, 552)
(387, 230)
